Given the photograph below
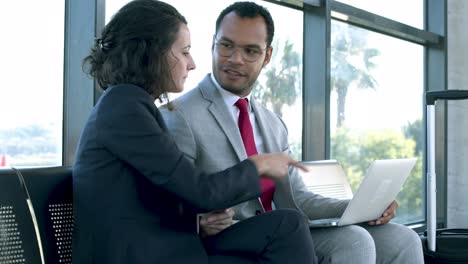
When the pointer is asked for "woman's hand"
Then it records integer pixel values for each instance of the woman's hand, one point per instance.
(216, 221)
(275, 165)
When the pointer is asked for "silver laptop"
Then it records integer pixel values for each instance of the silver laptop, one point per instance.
(381, 185)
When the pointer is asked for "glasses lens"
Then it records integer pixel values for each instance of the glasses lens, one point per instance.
(224, 50)
(248, 54)
(251, 54)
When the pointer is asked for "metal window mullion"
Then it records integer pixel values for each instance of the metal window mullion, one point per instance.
(381, 24)
(297, 4)
(78, 95)
(316, 83)
(435, 78)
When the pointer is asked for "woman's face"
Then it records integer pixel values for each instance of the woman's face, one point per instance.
(180, 59)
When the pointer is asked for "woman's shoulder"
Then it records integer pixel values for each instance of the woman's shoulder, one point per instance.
(125, 94)
(124, 100)
(126, 90)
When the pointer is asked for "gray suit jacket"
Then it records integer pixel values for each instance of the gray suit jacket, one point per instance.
(205, 131)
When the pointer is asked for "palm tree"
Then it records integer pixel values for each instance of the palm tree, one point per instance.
(351, 63)
(283, 79)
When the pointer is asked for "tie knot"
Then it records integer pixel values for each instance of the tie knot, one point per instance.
(242, 105)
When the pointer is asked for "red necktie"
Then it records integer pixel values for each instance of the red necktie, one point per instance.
(245, 127)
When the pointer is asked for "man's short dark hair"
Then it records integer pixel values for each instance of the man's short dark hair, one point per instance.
(250, 10)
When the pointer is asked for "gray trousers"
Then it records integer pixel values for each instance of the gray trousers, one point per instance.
(363, 244)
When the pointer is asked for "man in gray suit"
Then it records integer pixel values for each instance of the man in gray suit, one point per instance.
(204, 123)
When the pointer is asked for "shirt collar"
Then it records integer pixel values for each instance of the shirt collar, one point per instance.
(229, 98)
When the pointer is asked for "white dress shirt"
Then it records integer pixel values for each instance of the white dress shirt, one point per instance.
(230, 99)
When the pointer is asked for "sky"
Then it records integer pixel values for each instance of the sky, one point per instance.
(31, 65)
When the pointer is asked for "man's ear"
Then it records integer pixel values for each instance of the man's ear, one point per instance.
(268, 53)
(213, 43)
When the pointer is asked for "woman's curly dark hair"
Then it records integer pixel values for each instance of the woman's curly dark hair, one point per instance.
(134, 46)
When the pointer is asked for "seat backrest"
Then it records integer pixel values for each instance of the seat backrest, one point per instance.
(18, 239)
(50, 191)
(327, 178)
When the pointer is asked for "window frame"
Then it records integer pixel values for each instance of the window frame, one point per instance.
(84, 21)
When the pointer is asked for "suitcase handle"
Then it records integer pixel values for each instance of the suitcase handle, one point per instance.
(433, 96)
(452, 231)
(459, 231)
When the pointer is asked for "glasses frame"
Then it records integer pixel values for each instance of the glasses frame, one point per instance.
(236, 47)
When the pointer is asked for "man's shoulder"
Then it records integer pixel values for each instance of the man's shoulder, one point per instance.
(190, 103)
(259, 106)
(192, 98)
(185, 106)
(265, 113)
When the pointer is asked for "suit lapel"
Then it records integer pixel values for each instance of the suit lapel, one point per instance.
(222, 116)
(283, 197)
(261, 118)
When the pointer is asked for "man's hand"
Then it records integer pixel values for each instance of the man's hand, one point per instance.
(387, 215)
(216, 221)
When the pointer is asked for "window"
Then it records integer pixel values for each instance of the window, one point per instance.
(32, 83)
(376, 84)
(376, 107)
(282, 95)
(407, 12)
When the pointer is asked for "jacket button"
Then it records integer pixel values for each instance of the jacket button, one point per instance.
(258, 212)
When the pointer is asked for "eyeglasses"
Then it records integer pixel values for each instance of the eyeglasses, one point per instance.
(248, 53)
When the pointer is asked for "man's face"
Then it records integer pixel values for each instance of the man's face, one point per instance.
(240, 52)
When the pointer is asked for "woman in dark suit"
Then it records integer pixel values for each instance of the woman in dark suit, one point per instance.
(135, 195)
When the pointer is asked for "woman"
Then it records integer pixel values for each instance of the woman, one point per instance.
(135, 195)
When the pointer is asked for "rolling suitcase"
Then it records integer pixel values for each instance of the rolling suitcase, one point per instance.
(443, 245)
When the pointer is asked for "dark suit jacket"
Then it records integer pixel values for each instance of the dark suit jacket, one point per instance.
(132, 187)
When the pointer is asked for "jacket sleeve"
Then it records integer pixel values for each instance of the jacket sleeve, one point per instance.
(313, 205)
(131, 131)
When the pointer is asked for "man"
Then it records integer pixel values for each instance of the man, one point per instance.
(209, 125)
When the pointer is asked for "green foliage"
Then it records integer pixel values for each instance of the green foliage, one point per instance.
(355, 152)
(410, 197)
(415, 130)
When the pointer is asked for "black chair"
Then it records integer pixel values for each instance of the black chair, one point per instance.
(18, 238)
(50, 191)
